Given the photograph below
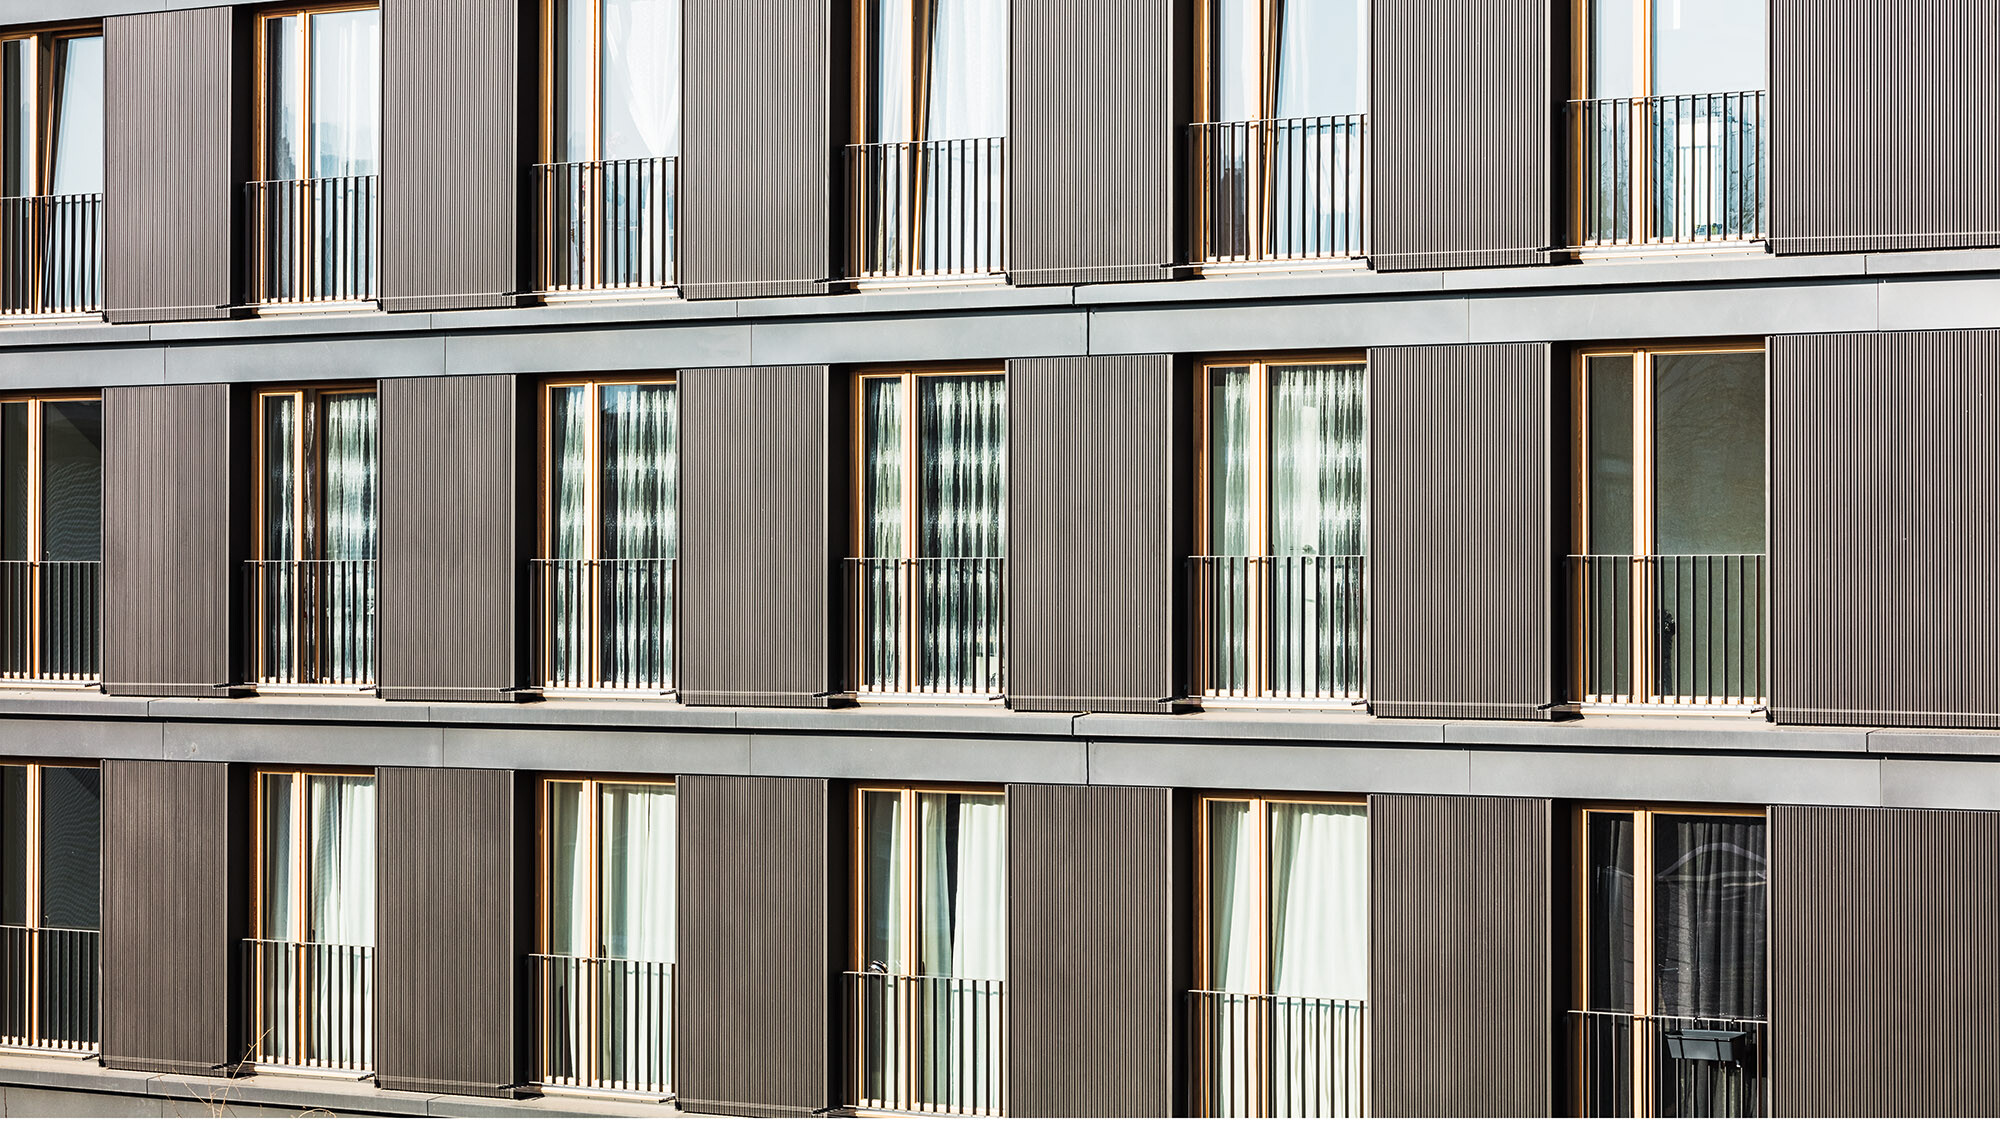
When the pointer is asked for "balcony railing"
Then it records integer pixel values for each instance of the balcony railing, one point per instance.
(926, 1044)
(310, 1004)
(1685, 168)
(1287, 627)
(1277, 1056)
(312, 240)
(311, 621)
(1667, 1066)
(926, 626)
(50, 613)
(605, 624)
(927, 208)
(1668, 630)
(604, 1024)
(1290, 189)
(607, 224)
(48, 988)
(54, 247)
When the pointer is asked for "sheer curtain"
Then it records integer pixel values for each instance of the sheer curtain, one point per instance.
(1318, 458)
(884, 950)
(352, 526)
(279, 594)
(1318, 175)
(1710, 886)
(338, 992)
(962, 929)
(345, 127)
(1226, 1045)
(1319, 952)
(640, 68)
(968, 70)
(883, 527)
(637, 823)
(1231, 517)
(962, 477)
(568, 585)
(639, 441)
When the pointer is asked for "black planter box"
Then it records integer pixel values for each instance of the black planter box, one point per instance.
(1698, 1044)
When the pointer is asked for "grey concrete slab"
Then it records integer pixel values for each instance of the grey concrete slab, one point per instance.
(1662, 732)
(1336, 280)
(547, 1105)
(651, 309)
(284, 707)
(909, 299)
(1912, 741)
(73, 367)
(82, 701)
(891, 758)
(658, 713)
(919, 339)
(1940, 302)
(1326, 324)
(908, 718)
(347, 322)
(289, 360)
(289, 1092)
(1357, 769)
(81, 738)
(70, 1073)
(554, 351)
(607, 751)
(1694, 778)
(1648, 313)
(1940, 785)
(1894, 262)
(1259, 725)
(305, 744)
(65, 333)
(33, 1101)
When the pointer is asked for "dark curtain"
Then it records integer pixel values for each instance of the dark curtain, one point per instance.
(1709, 896)
(1611, 936)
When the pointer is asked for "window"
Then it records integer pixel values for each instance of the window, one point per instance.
(605, 976)
(312, 950)
(51, 539)
(1668, 594)
(928, 999)
(49, 870)
(1279, 1018)
(1673, 933)
(611, 533)
(926, 590)
(51, 170)
(312, 588)
(1278, 574)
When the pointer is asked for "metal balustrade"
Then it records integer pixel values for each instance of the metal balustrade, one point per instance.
(926, 626)
(49, 988)
(605, 624)
(926, 1044)
(605, 1023)
(51, 616)
(1683, 168)
(1277, 1056)
(607, 224)
(1669, 1066)
(53, 248)
(311, 621)
(1668, 630)
(1288, 627)
(312, 240)
(1279, 190)
(310, 1004)
(927, 208)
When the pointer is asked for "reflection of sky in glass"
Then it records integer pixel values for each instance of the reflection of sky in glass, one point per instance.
(1698, 47)
(79, 149)
(346, 93)
(1322, 68)
(640, 103)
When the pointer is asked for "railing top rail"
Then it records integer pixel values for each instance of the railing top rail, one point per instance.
(304, 562)
(587, 958)
(603, 163)
(1658, 1018)
(1355, 118)
(1260, 558)
(316, 180)
(49, 929)
(936, 142)
(80, 196)
(635, 559)
(367, 948)
(925, 558)
(1641, 558)
(862, 974)
(1276, 996)
(1672, 97)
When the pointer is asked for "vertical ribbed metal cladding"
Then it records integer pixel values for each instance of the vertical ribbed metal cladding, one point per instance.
(1461, 999)
(1095, 971)
(1863, 158)
(171, 543)
(1881, 580)
(172, 169)
(1092, 573)
(452, 150)
(453, 545)
(447, 953)
(1884, 975)
(1097, 107)
(764, 123)
(1462, 113)
(1461, 564)
(174, 874)
(756, 567)
(757, 938)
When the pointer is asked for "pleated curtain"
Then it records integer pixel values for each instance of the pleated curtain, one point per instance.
(337, 992)
(350, 428)
(962, 479)
(1318, 457)
(640, 532)
(635, 1008)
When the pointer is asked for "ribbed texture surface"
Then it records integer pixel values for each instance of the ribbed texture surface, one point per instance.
(171, 165)
(447, 948)
(1462, 113)
(1885, 489)
(452, 556)
(1461, 1000)
(756, 182)
(1092, 509)
(1093, 980)
(1094, 138)
(1882, 126)
(756, 971)
(451, 152)
(1884, 975)
(1462, 568)
(169, 554)
(755, 501)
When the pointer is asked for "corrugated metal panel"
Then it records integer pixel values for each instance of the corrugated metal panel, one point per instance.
(756, 973)
(171, 547)
(1463, 117)
(756, 568)
(1092, 514)
(452, 152)
(763, 102)
(452, 538)
(1882, 126)
(1884, 974)
(1097, 104)
(447, 941)
(1095, 969)
(1462, 1007)
(1881, 580)
(175, 879)
(173, 170)
(1462, 570)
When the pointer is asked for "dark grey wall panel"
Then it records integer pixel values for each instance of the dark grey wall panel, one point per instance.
(1097, 104)
(175, 875)
(450, 619)
(1884, 977)
(1093, 516)
(452, 152)
(757, 972)
(448, 946)
(173, 171)
(1882, 577)
(756, 500)
(757, 206)
(171, 549)
(1461, 560)
(1095, 970)
(1463, 120)
(1461, 992)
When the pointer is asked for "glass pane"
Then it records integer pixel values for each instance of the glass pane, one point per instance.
(281, 479)
(638, 876)
(1318, 460)
(1707, 46)
(79, 123)
(71, 808)
(72, 481)
(1709, 453)
(882, 875)
(1710, 886)
(641, 84)
(1236, 60)
(961, 456)
(640, 434)
(340, 876)
(571, 46)
(14, 480)
(13, 845)
(891, 46)
(1231, 462)
(17, 117)
(277, 918)
(346, 93)
(569, 472)
(1614, 29)
(353, 465)
(968, 70)
(1610, 952)
(962, 901)
(1322, 58)
(882, 469)
(1319, 900)
(1233, 920)
(569, 871)
(1608, 527)
(284, 98)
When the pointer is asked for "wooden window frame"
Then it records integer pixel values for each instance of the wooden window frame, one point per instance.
(866, 94)
(266, 107)
(552, 133)
(593, 388)
(308, 457)
(301, 850)
(909, 894)
(43, 114)
(37, 512)
(1207, 66)
(912, 496)
(591, 829)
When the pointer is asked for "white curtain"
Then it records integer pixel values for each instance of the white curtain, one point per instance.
(1319, 954)
(1232, 445)
(878, 581)
(338, 992)
(1227, 1040)
(1317, 473)
(963, 930)
(962, 477)
(353, 522)
(639, 506)
(968, 70)
(345, 127)
(641, 70)
(79, 147)
(635, 1008)
(567, 584)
